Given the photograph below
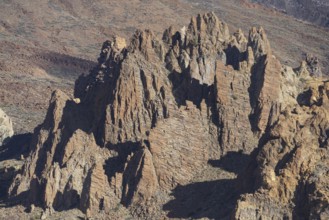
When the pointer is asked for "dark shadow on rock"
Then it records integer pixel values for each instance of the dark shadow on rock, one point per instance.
(131, 177)
(15, 147)
(75, 117)
(256, 85)
(14, 201)
(84, 194)
(198, 92)
(234, 56)
(82, 82)
(212, 199)
(189, 89)
(11, 152)
(304, 98)
(186, 88)
(248, 180)
(233, 161)
(116, 164)
(178, 89)
(69, 199)
(301, 201)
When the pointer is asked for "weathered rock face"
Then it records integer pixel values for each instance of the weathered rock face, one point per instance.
(290, 167)
(151, 116)
(6, 127)
(266, 74)
(8, 166)
(139, 167)
(233, 109)
(310, 67)
(65, 168)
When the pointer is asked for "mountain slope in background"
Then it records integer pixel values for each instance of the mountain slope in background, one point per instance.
(46, 45)
(315, 11)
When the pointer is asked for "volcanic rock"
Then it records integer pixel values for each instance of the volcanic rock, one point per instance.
(153, 113)
(290, 171)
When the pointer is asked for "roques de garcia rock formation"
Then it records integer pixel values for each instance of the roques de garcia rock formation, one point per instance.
(154, 112)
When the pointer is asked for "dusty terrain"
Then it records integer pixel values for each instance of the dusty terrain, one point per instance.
(314, 11)
(46, 44)
(205, 121)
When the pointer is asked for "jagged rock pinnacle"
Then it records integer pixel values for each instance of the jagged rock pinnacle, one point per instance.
(152, 114)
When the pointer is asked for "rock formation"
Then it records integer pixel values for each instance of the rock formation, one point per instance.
(12, 150)
(153, 112)
(290, 168)
(6, 128)
(311, 66)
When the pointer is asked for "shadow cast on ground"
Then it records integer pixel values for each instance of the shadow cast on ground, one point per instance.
(233, 161)
(10, 154)
(210, 199)
(16, 146)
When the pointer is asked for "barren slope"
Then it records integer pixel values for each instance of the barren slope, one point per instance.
(315, 11)
(46, 44)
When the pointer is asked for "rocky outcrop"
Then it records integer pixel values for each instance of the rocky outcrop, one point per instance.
(139, 178)
(65, 168)
(153, 113)
(289, 171)
(6, 128)
(266, 80)
(310, 67)
(169, 155)
(233, 109)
